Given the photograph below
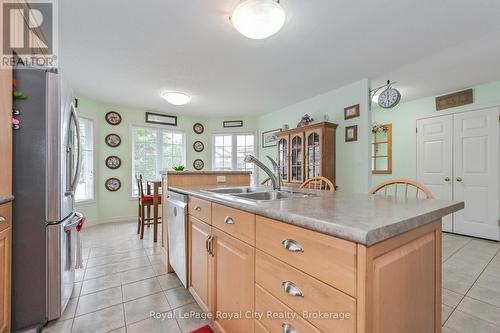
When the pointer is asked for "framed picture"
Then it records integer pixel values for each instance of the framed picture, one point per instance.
(351, 133)
(232, 123)
(198, 164)
(269, 138)
(113, 140)
(198, 146)
(198, 128)
(113, 118)
(113, 162)
(163, 119)
(113, 184)
(351, 112)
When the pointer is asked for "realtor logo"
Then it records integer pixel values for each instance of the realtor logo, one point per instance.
(29, 33)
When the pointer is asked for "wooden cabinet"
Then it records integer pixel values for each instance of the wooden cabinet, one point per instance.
(199, 235)
(234, 271)
(307, 152)
(5, 278)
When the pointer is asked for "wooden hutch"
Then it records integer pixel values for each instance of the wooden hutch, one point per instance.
(306, 152)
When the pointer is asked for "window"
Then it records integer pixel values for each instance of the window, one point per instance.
(230, 149)
(154, 150)
(85, 188)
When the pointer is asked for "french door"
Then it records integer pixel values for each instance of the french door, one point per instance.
(458, 159)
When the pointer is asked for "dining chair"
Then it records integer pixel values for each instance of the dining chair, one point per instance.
(390, 187)
(145, 202)
(318, 183)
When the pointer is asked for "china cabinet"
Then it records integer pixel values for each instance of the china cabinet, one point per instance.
(307, 152)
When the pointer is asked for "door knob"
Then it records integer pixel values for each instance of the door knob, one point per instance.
(447, 179)
(459, 179)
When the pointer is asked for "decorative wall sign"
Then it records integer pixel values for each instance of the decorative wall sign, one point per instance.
(198, 146)
(113, 162)
(351, 112)
(232, 123)
(113, 118)
(163, 119)
(198, 164)
(113, 184)
(198, 128)
(113, 140)
(453, 100)
(269, 138)
(351, 133)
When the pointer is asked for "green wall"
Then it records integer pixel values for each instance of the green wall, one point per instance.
(118, 206)
(403, 118)
(353, 160)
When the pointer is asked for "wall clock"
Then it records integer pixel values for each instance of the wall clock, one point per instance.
(198, 128)
(113, 140)
(198, 146)
(113, 162)
(113, 118)
(389, 98)
(113, 184)
(198, 164)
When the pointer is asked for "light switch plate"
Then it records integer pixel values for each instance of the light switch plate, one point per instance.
(221, 179)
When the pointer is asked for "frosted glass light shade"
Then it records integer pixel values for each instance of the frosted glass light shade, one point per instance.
(176, 98)
(258, 19)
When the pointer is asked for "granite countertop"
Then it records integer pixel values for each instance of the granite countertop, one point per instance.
(361, 218)
(204, 172)
(6, 198)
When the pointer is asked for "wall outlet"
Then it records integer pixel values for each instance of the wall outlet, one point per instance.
(221, 179)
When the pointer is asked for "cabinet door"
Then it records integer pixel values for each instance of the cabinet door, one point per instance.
(297, 158)
(5, 271)
(234, 270)
(313, 153)
(6, 131)
(476, 168)
(199, 262)
(283, 155)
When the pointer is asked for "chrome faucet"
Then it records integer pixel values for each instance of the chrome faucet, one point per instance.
(274, 176)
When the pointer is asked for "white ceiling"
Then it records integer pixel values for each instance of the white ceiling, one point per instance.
(125, 52)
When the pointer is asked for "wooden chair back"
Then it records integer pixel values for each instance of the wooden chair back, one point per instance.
(407, 185)
(140, 188)
(318, 183)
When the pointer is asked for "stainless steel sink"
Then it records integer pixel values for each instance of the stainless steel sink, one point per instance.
(273, 195)
(233, 190)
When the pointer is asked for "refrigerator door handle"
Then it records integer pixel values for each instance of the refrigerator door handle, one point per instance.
(74, 182)
(78, 219)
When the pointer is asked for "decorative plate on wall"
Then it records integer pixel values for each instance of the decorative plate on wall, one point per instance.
(198, 146)
(198, 128)
(113, 162)
(113, 140)
(198, 164)
(113, 184)
(113, 118)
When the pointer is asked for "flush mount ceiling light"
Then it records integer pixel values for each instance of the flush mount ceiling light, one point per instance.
(176, 98)
(258, 19)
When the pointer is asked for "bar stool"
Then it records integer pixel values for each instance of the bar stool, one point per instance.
(145, 201)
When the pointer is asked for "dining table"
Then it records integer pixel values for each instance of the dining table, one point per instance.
(155, 186)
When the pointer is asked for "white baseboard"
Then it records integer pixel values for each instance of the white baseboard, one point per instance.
(118, 219)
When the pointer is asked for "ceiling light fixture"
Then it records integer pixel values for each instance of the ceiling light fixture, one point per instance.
(258, 19)
(176, 98)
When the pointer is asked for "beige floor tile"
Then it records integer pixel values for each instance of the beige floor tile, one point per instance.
(59, 326)
(141, 308)
(190, 317)
(99, 300)
(70, 310)
(451, 298)
(138, 274)
(465, 323)
(100, 321)
(77, 288)
(457, 282)
(140, 289)
(152, 325)
(445, 313)
(169, 281)
(481, 310)
(100, 283)
(178, 297)
(486, 295)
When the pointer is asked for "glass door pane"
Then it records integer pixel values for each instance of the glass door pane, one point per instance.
(313, 155)
(297, 157)
(283, 158)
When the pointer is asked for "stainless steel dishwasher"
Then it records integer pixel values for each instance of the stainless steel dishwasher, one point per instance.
(177, 234)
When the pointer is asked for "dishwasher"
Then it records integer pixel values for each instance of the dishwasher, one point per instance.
(177, 234)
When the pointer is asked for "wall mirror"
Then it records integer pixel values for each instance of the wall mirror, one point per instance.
(382, 149)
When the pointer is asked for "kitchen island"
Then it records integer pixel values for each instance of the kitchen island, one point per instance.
(316, 261)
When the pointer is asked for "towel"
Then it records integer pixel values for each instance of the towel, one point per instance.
(79, 256)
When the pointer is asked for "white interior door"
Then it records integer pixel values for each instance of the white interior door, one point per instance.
(476, 179)
(434, 159)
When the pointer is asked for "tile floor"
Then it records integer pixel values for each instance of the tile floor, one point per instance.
(124, 280)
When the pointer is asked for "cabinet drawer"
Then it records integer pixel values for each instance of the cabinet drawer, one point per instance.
(276, 314)
(317, 297)
(330, 259)
(234, 222)
(200, 209)
(5, 216)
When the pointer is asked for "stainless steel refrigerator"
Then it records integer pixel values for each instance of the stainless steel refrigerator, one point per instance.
(45, 175)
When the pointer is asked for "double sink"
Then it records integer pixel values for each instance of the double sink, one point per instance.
(258, 194)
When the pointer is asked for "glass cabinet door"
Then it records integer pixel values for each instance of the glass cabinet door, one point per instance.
(283, 158)
(297, 155)
(313, 157)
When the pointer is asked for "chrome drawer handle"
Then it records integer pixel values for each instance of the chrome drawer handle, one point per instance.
(291, 245)
(287, 328)
(197, 208)
(291, 289)
(2, 219)
(228, 220)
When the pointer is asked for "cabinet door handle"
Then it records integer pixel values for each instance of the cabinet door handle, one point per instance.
(287, 328)
(228, 220)
(211, 246)
(291, 289)
(207, 244)
(459, 179)
(291, 245)
(197, 208)
(2, 219)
